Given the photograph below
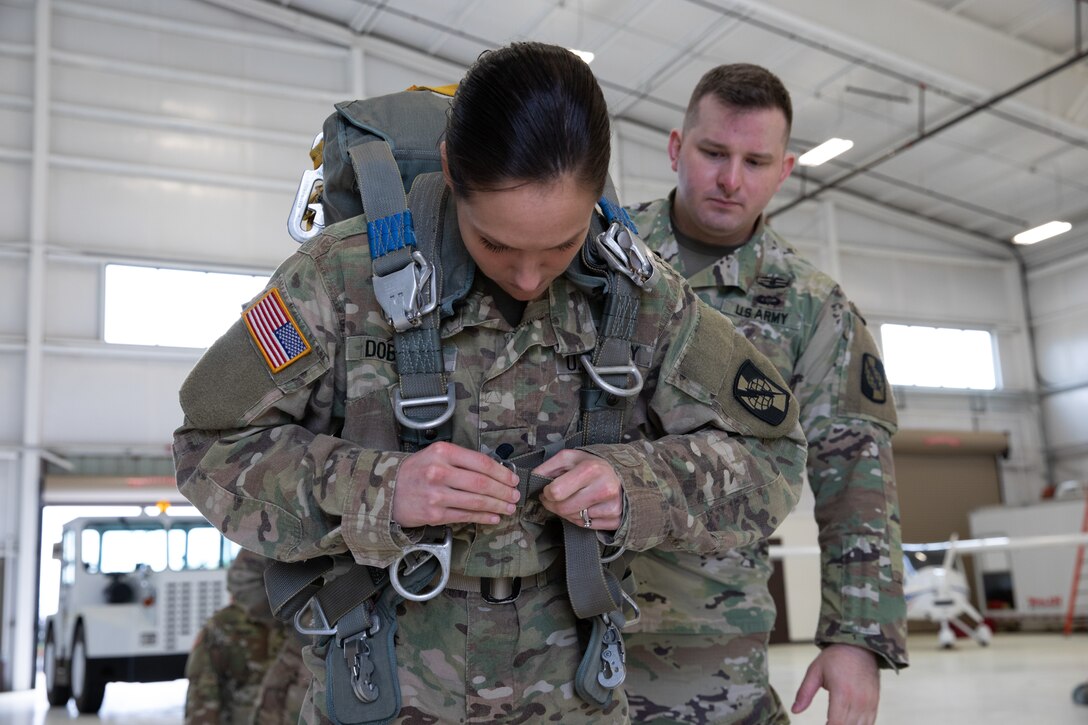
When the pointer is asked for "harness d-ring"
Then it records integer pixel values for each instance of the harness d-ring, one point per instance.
(595, 373)
(400, 405)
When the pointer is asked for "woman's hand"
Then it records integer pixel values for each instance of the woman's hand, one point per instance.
(447, 484)
(585, 490)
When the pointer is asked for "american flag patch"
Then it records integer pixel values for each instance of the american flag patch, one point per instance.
(274, 330)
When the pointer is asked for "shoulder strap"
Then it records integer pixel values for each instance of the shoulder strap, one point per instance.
(408, 285)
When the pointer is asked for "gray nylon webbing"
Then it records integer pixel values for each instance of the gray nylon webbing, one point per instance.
(379, 181)
(420, 364)
(285, 582)
(592, 587)
(344, 593)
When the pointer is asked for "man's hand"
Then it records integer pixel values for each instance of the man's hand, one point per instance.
(447, 484)
(582, 482)
(852, 680)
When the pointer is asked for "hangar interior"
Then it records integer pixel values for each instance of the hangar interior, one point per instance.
(171, 135)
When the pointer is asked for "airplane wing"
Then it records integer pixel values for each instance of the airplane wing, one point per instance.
(990, 543)
(997, 543)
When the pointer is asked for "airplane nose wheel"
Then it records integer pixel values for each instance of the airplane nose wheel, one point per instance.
(946, 637)
(1080, 694)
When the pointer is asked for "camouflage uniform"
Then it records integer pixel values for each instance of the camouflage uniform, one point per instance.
(233, 650)
(302, 461)
(800, 319)
(283, 688)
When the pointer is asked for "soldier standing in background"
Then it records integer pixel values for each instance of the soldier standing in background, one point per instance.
(234, 649)
(700, 654)
(283, 689)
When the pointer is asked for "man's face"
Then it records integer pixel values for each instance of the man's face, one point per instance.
(729, 164)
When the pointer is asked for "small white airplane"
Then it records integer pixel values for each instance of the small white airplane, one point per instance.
(935, 586)
(936, 590)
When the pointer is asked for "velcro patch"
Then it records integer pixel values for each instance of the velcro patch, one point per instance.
(874, 383)
(759, 395)
(865, 388)
(275, 331)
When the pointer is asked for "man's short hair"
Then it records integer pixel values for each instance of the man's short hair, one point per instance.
(743, 86)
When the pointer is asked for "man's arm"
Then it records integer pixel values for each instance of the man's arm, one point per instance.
(848, 415)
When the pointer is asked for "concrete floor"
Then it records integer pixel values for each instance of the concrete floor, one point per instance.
(1020, 678)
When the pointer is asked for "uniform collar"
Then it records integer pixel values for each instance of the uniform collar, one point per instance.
(565, 314)
(738, 268)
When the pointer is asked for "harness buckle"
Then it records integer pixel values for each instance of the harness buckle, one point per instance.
(414, 557)
(401, 293)
(624, 252)
(305, 209)
(500, 590)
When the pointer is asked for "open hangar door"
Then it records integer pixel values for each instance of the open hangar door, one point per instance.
(84, 486)
(942, 476)
(96, 486)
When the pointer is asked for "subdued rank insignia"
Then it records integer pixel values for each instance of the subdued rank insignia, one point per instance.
(773, 281)
(874, 384)
(275, 331)
(760, 396)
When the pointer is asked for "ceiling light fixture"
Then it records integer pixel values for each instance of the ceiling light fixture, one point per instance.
(1041, 232)
(585, 55)
(826, 151)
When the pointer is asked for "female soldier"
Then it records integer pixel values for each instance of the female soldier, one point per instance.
(298, 456)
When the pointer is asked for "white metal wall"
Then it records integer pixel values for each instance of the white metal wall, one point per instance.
(174, 134)
(1059, 301)
(169, 134)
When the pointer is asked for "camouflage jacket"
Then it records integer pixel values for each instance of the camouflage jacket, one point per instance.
(227, 665)
(800, 319)
(299, 460)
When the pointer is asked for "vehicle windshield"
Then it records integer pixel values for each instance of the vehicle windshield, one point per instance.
(123, 546)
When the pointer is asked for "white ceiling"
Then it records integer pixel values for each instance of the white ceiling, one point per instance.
(969, 113)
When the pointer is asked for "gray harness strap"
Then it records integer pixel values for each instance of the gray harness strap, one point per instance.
(420, 364)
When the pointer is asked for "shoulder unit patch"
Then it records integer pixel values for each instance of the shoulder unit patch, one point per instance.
(759, 395)
(275, 331)
(874, 384)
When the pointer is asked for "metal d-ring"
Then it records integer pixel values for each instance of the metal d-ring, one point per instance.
(595, 373)
(400, 404)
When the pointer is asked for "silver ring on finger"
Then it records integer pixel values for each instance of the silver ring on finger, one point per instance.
(586, 521)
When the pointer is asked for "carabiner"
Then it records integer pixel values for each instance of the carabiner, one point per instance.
(305, 207)
(624, 252)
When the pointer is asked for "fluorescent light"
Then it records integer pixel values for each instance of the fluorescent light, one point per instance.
(585, 55)
(1041, 232)
(826, 151)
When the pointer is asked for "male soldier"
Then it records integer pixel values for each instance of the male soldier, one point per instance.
(701, 652)
(234, 649)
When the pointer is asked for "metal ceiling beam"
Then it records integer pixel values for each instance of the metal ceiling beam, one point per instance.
(946, 56)
(940, 128)
(311, 25)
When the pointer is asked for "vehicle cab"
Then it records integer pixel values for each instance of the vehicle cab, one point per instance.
(134, 593)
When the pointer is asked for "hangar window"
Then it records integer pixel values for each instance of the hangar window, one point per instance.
(173, 307)
(939, 357)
